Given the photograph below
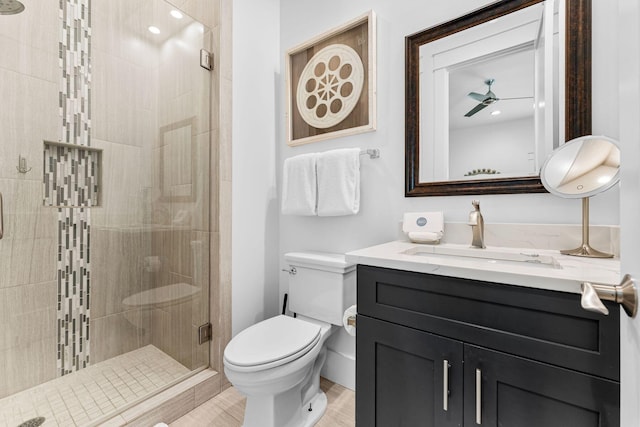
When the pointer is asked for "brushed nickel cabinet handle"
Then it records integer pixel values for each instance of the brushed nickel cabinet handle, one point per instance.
(478, 396)
(445, 384)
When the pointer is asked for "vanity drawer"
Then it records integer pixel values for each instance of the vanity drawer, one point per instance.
(537, 324)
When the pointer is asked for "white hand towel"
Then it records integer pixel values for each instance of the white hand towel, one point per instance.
(339, 182)
(299, 185)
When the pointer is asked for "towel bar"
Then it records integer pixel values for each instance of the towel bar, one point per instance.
(373, 153)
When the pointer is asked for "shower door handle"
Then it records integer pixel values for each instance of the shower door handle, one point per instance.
(1, 217)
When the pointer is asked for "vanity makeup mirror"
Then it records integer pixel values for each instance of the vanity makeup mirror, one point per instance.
(528, 59)
(581, 168)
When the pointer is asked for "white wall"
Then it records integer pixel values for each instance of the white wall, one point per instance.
(256, 69)
(261, 38)
(504, 146)
(383, 200)
(629, 71)
(382, 196)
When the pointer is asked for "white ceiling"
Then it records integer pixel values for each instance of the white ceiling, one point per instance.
(136, 17)
(514, 77)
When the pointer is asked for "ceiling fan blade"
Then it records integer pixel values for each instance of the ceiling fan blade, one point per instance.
(520, 97)
(477, 96)
(475, 110)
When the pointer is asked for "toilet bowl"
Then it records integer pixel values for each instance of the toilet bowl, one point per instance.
(276, 363)
(283, 382)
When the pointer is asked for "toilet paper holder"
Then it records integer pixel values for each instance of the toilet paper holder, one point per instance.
(351, 321)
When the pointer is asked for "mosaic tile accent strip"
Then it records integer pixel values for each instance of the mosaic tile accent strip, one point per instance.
(75, 62)
(84, 397)
(74, 284)
(71, 176)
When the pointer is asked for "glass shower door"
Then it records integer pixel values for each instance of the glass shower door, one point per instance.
(151, 117)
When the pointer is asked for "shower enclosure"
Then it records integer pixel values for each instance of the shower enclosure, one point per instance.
(105, 176)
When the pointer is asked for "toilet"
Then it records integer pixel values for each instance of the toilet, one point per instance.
(276, 363)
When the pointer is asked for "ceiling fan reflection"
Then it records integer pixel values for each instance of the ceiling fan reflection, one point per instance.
(487, 98)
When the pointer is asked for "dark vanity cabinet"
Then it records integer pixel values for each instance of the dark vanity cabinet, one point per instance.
(443, 351)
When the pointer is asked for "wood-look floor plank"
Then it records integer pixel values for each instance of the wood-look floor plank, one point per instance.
(227, 409)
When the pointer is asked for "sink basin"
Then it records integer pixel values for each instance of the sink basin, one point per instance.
(517, 257)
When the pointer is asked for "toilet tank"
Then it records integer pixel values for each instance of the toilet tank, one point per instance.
(323, 285)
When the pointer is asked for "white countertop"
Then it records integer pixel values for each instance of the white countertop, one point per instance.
(565, 277)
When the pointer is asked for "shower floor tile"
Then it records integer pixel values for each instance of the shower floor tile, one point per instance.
(85, 396)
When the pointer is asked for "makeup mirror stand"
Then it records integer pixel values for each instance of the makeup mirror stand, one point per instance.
(585, 249)
(579, 169)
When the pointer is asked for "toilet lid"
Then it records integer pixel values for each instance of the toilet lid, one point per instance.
(279, 339)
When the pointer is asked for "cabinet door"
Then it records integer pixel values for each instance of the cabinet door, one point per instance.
(517, 392)
(401, 377)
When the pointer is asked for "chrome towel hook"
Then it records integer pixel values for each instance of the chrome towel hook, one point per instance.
(22, 165)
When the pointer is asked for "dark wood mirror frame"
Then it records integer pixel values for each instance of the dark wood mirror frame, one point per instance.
(577, 96)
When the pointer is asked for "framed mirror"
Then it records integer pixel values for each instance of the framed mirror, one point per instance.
(490, 94)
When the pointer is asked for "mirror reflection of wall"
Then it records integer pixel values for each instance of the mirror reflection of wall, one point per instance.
(505, 147)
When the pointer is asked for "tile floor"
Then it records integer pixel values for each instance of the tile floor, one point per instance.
(227, 409)
(85, 396)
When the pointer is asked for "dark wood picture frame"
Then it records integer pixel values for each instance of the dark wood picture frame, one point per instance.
(577, 96)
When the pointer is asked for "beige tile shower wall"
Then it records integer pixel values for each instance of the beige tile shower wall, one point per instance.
(29, 93)
(117, 260)
(124, 109)
(28, 338)
(223, 302)
(124, 124)
(182, 167)
(175, 325)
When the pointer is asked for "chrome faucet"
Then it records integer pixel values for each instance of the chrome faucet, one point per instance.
(477, 226)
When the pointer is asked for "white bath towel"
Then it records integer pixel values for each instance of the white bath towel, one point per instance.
(339, 182)
(299, 185)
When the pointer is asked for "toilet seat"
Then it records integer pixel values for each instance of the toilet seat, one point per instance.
(271, 343)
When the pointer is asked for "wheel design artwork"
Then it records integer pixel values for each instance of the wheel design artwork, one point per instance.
(330, 86)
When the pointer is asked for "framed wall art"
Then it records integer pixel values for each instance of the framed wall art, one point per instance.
(331, 83)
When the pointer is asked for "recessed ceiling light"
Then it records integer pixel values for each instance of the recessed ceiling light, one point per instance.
(176, 14)
(154, 30)
(495, 113)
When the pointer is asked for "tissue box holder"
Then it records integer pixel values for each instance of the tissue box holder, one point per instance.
(424, 227)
